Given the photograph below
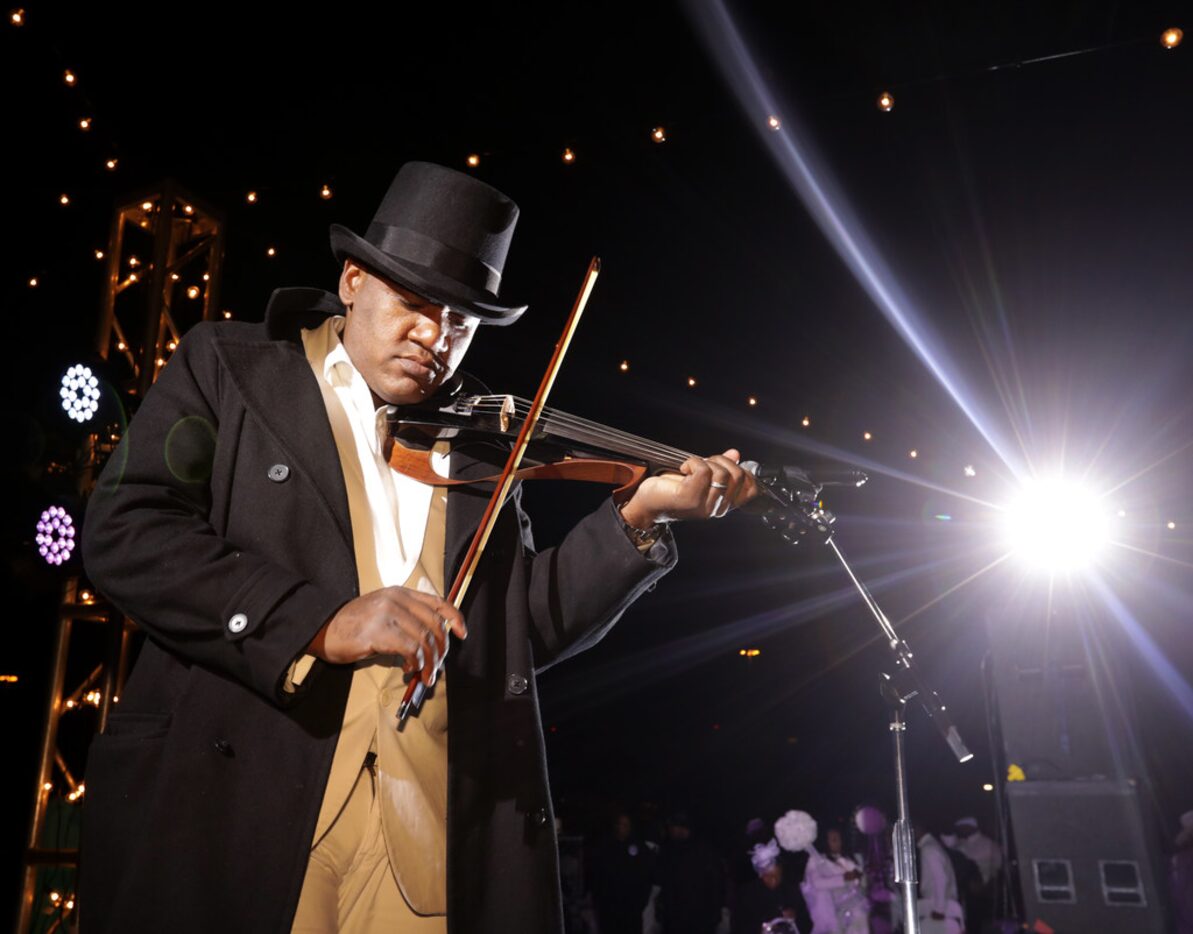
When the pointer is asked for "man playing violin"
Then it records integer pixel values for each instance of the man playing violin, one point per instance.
(289, 582)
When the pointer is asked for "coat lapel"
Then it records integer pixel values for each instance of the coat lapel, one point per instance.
(279, 388)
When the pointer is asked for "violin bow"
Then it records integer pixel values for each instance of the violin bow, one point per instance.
(416, 690)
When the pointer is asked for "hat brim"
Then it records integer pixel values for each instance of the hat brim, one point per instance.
(427, 282)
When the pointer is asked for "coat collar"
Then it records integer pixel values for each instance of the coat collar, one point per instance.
(272, 374)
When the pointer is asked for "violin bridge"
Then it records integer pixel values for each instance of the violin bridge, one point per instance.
(507, 413)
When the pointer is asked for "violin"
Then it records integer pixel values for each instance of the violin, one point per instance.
(567, 447)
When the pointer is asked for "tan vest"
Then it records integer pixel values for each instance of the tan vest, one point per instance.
(411, 765)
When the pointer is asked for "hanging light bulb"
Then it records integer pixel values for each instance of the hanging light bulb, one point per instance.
(110, 165)
(64, 199)
(227, 314)
(17, 17)
(85, 123)
(325, 192)
(752, 400)
(473, 160)
(99, 254)
(866, 436)
(33, 282)
(913, 453)
(1172, 37)
(133, 261)
(146, 205)
(188, 209)
(691, 381)
(886, 101)
(69, 77)
(807, 422)
(568, 156)
(773, 122)
(192, 291)
(658, 134)
(624, 366)
(251, 197)
(271, 252)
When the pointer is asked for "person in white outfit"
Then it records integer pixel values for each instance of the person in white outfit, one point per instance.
(833, 888)
(939, 910)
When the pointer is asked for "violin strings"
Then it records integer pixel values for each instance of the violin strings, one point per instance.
(602, 435)
(621, 441)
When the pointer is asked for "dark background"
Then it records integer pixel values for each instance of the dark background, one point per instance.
(1036, 216)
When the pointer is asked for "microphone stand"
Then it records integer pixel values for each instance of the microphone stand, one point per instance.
(791, 486)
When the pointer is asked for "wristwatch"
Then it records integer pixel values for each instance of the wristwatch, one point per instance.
(642, 538)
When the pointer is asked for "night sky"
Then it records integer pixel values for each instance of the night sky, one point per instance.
(1033, 217)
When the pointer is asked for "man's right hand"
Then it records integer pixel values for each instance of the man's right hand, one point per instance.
(390, 621)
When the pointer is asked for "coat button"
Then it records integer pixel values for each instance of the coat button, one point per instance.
(237, 623)
(278, 473)
(516, 684)
(223, 747)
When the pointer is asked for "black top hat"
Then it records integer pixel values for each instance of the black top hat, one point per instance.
(442, 234)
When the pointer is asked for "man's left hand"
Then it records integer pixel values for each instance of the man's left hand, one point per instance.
(704, 488)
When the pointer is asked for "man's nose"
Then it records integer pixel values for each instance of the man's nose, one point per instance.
(429, 328)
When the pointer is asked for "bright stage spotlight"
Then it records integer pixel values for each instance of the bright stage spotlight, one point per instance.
(79, 393)
(1056, 525)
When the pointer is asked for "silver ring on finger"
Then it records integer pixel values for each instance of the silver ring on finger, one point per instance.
(716, 485)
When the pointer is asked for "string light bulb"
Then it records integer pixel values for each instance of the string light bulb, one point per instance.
(251, 197)
(133, 261)
(86, 596)
(752, 400)
(64, 198)
(132, 277)
(568, 157)
(172, 346)
(271, 252)
(913, 453)
(970, 471)
(69, 77)
(48, 786)
(188, 209)
(473, 160)
(773, 122)
(175, 277)
(121, 345)
(227, 314)
(1171, 525)
(110, 165)
(624, 366)
(325, 192)
(866, 436)
(85, 123)
(806, 422)
(146, 205)
(1172, 37)
(33, 282)
(192, 291)
(886, 101)
(658, 134)
(17, 17)
(691, 381)
(99, 254)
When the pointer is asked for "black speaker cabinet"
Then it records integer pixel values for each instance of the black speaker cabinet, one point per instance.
(1086, 862)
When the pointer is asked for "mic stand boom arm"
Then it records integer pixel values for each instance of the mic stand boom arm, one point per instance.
(791, 487)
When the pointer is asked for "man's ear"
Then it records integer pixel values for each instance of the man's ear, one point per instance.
(352, 277)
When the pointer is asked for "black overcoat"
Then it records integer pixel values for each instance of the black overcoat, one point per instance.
(220, 525)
